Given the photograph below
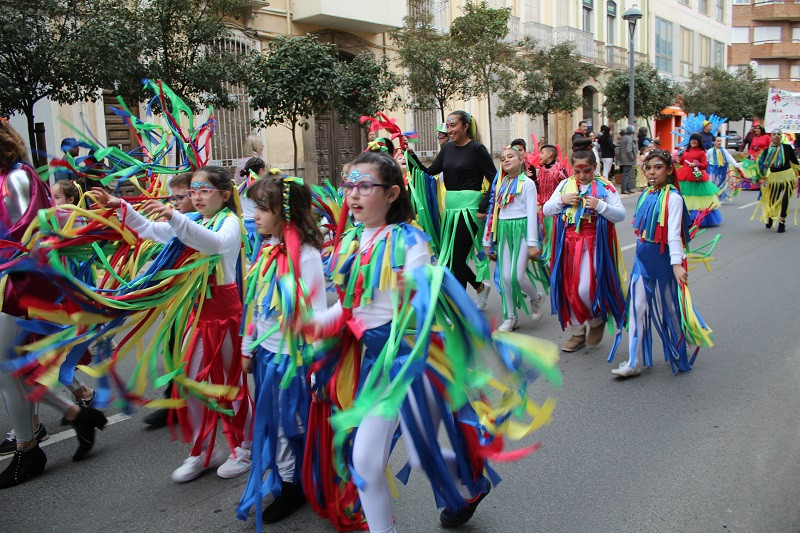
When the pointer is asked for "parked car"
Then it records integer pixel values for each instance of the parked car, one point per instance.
(733, 140)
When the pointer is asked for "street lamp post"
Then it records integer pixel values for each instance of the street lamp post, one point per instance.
(632, 15)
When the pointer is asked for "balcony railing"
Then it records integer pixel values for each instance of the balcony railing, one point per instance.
(541, 33)
(513, 29)
(353, 15)
(583, 40)
(787, 50)
(785, 10)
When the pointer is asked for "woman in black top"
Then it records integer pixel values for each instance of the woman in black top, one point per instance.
(776, 169)
(606, 143)
(464, 163)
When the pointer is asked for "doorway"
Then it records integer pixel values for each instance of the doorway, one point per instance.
(337, 144)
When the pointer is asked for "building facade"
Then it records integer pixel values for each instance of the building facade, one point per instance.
(766, 33)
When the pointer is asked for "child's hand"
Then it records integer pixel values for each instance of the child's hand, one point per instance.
(592, 202)
(247, 365)
(570, 198)
(154, 207)
(680, 274)
(105, 199)
(534, 252)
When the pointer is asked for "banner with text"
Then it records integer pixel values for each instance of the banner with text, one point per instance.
(783, 112)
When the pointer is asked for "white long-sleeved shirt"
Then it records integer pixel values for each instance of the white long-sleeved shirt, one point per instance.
(314, 278)
(611, 208)
(226, 242)
(726, 155)
(675, 242)
(379, 311)
(523, 206)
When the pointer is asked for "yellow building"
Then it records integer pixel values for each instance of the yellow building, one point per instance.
(595, 27)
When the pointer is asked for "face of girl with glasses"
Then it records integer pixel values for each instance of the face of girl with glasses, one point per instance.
(207, 200)
(368, 198)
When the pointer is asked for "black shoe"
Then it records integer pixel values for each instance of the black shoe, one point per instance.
(85, 423)
(9, 446)
(41, 433)
(781, 227)
(769, 223)
(290, 499)
(451, 519)
(80, 403)
(24, 466)
(157, 419)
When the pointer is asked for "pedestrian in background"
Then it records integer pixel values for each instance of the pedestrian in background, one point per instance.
(627, 158)
(606, 144)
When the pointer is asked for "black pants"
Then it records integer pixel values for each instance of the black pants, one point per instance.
(775, 192)
(463, 242)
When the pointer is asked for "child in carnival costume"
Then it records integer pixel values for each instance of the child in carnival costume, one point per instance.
(586, 267)
(658, 295)
(285, 282)
(720, 164)
(512, 236)
(412, 372)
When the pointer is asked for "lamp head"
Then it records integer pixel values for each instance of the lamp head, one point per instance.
(632, 15)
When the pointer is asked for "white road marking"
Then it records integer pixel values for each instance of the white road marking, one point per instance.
(628, 246)
(69, 433)
(751, 204)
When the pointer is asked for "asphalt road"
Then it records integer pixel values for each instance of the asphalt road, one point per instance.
(713, 450)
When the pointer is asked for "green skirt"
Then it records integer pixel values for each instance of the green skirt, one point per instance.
(458, 206)
(512, 233)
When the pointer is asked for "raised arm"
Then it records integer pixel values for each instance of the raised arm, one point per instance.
(146, 229)
(204, 240)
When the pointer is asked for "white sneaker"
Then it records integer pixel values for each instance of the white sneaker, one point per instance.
(237, 464)
(510, 324)
(483, 296)
(194, 465)
(536, 312)
(625, 370)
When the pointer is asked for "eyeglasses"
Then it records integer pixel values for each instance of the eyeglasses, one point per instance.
(364, 188)
(177, 198)
(205, 191)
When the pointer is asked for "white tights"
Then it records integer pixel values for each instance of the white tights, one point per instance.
(639, 299)
(584, 286)
(507, 275)
(371, 456)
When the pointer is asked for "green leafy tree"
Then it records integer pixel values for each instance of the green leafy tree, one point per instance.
(435, 70)
(185, 43)
(294, 81)
(479, 35)
(738, 96)
(547, 81)
(57, 49)
(651, 92)
(364, 87)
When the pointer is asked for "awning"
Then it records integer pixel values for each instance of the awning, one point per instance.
(674, 111)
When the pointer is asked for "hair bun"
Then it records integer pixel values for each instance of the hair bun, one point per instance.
(581, 144)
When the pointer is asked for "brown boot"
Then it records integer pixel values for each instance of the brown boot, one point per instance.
(595, 335)
(574, 343)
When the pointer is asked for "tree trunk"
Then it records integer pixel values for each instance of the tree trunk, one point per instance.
(35, 157)
(489, 129)
(546, 134)
(294, 144)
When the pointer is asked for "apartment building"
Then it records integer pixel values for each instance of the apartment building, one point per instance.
(766, 33)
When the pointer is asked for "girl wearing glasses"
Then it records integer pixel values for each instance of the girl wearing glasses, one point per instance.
(586, 262)
(212, 353)
(658, 295)
(379, 201)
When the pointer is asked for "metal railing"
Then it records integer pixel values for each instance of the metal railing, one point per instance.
(583, 40)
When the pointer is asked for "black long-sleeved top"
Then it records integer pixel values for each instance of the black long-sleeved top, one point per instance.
(789, 157)
(463, 167)
(606, 146)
